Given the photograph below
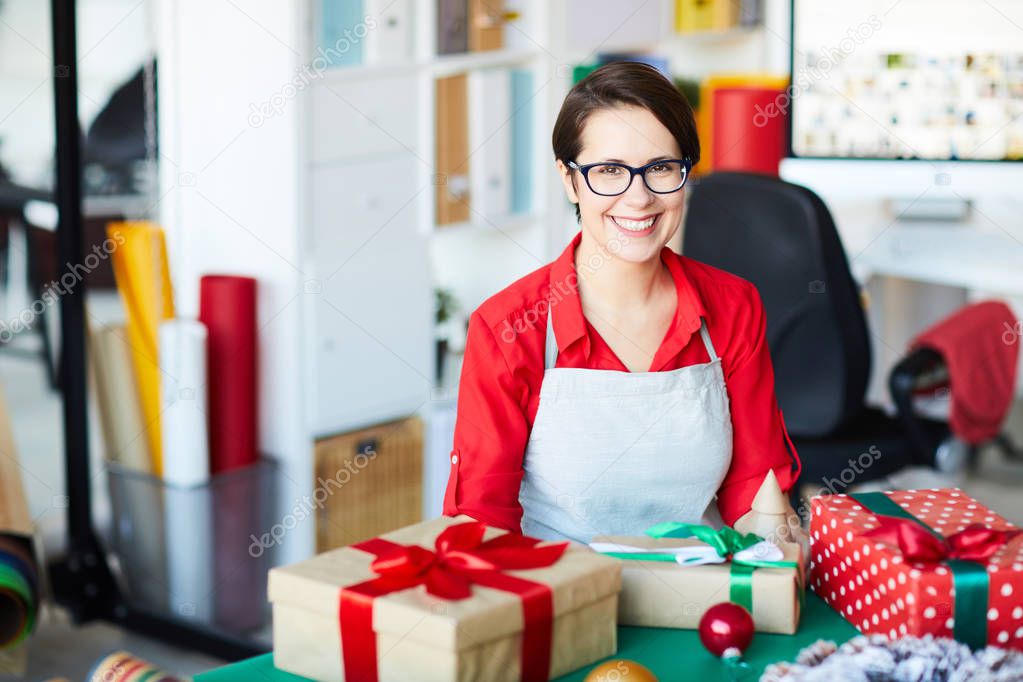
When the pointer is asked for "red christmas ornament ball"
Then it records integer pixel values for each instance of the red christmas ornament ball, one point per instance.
(726, 626)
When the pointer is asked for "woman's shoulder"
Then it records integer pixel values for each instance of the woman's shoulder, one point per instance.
(718, 288)
(734, 311)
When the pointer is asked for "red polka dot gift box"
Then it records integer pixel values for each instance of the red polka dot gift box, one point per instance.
(917, 562)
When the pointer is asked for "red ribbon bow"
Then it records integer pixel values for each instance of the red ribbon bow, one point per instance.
(976, 542)
(460, 558)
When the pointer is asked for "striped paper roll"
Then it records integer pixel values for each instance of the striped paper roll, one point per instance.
(19, 591)
(123, 667)
(183, 402)
(227, 306)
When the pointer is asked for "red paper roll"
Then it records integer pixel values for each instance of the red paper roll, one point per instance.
(227, 306)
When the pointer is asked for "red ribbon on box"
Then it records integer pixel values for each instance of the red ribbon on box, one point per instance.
(460, 558)
(964, 553)
(976, 542)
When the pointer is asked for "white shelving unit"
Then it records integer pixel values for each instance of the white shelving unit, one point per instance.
(328, 198)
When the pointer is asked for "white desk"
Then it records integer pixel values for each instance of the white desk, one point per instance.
(968, 257)
(969, 262)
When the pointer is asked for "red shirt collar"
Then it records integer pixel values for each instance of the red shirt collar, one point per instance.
(570, 325)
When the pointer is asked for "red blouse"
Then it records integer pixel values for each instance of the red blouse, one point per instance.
(503, 368)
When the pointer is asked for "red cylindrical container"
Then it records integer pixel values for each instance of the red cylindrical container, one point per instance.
(745, 140)
(227, 306)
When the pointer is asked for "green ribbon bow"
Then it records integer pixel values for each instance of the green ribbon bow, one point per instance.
(727, 542)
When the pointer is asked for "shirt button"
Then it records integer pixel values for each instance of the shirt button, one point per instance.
(454, 459)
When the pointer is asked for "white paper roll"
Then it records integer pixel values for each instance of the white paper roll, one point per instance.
(186, 469)
(188, 518)
(186, 460)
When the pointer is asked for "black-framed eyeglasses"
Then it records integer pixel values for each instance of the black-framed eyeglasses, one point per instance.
(611, 179)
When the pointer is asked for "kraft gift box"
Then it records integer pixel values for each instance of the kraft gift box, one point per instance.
(335, 613)
(669, 595)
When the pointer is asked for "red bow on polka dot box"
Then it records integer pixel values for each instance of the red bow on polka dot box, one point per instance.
(918, 562)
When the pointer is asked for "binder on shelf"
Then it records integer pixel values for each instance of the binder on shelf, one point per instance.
(486, 25)
(522, 98)
(657, 61)
(580, 71)
(452, 26)
(751, 13)
(490, 131)
(516, 30)
(339, 43)
(452, 135)
(693, 16)
(390, 40)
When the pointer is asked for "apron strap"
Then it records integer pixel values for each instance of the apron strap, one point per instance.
(550, 355)
(706, 340)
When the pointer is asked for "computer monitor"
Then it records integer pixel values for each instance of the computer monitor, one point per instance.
(906, 98)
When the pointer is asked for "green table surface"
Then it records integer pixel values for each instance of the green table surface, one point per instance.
(670, 654)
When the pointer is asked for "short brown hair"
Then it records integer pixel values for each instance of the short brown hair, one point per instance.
(624, 83)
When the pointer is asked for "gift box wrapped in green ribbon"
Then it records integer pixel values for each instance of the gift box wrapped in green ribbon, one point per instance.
(919, 562)
(677, 571)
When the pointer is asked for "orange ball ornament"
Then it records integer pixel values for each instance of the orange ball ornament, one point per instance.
(620, 670)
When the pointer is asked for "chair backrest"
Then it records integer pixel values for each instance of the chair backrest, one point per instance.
(781, 237)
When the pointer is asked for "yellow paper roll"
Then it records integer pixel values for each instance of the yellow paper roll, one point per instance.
(143, 277)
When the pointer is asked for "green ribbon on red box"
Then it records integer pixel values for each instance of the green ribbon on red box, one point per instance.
(964, 553)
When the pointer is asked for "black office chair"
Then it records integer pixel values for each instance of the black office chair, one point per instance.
(781, 237)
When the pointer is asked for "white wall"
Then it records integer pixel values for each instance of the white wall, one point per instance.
(231, 195)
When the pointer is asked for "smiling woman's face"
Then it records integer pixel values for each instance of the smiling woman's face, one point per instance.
(622, 224)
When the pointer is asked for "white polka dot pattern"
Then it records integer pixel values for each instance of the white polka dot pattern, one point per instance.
(870, 584)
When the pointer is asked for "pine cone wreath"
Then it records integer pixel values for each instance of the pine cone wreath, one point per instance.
(875, 658)
(816, 652)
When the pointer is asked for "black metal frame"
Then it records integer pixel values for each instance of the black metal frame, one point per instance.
(82, 581)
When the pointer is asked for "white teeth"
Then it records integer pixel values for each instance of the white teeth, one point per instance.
(636, 225)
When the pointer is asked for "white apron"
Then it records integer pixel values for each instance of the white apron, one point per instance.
(613, 452)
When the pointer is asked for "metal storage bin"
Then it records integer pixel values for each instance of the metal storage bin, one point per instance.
(198, 553)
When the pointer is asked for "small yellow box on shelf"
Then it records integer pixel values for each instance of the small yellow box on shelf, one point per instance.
(692, 16)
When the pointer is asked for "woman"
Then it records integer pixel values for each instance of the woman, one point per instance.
(621, 385)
